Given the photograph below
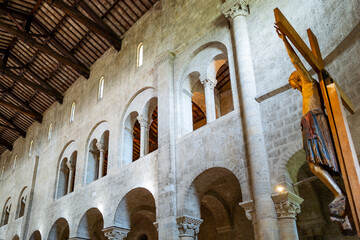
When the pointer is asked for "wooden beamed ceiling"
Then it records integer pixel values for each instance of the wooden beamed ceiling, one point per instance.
(46, 45)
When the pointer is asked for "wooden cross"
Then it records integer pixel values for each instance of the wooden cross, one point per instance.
(332, 95)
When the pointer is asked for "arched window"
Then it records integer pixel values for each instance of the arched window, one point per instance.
(50, 131)
(72, 113)
(101, 88)
(66, 175)
(31, 148)
(6, 213)
(21, 204)
(140, 55)
(14, 165)
(2, 172)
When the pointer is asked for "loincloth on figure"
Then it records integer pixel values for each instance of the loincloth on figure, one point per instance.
(317, 140)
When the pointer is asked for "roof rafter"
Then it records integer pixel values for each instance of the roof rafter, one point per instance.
(35, 86)
(6, 144)
(29, 113)
(32, 42)
(105, 32)
(12, 124)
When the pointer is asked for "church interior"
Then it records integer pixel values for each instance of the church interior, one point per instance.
(168, 119)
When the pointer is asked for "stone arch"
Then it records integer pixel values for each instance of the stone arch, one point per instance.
(137, 212)
(22, 200)
(16, 237)
(198, 86)
(6, 212)
(213, 196)
(59, 230)
(35, 235)
(97, 148)
(66, 169)
(139, 112)
(91, 225)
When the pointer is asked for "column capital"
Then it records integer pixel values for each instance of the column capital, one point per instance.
(115, 233)
(69, 165)
(234, 8)
(144, 121)
(211, 83)
(99, 146)
(249, 207)
(188, 226)
(287, 204)
(167, 55)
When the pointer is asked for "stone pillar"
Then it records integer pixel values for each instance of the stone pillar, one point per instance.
(266, 220)
(187, 112)
(71, 175)
(144, 134)
(188, 227)
(209, 86)
(166, 211)
(116, 233)
(287, 206)
(249, 208)
(101, 159)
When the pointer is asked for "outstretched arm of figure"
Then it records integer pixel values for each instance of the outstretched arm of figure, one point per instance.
(300, 68)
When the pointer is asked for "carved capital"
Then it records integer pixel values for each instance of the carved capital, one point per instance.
(287, 204)
(234, 8)
(188, 226)
(249, 207)
(99, 146)
(115, 233)
(144, 122)
(208, 83)
(69, 165)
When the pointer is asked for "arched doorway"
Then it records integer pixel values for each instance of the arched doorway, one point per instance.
(137, 212)
(91, 225)
(59, 230)
(214, 196)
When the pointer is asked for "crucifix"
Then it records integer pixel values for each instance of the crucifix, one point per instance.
(327, 139)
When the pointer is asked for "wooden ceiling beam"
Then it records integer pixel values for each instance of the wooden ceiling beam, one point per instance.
(13, 125)
(36, 116)
(35, 86)
(32, 42)
(9, 128)
(59, 97)
(6, 144)
(90, 24)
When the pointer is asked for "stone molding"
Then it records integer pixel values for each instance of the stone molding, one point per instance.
(188, 226)
(287, 204)
(234, 8)
(249, 207)
(115, 233)
(164, 57)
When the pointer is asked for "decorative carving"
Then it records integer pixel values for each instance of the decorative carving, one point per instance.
(287, 204)
(208, 83)
(144, 122)
(100, 146)
(249, 207)
(115, 233)
(188, 226)
(234, 8)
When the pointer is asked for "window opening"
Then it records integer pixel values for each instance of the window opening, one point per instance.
(101, 88)
(72, 114)
(50, 131)
(140, 55)
(31, 148)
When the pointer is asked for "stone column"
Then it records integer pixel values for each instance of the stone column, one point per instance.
(116, 233)
(266, 220)
(287, 206)
(188, 227)
(144, 134)
(101, 159)
(71, 175)
(166, 211)
(187, 112)
(209, 86)
(249, 208)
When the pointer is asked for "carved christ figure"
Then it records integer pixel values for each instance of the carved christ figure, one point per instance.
(317, 139)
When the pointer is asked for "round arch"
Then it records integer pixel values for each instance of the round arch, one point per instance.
(35, 235)
(91, 225)
(59, 230)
